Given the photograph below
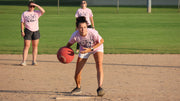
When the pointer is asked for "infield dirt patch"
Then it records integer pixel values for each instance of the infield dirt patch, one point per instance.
(127, 77)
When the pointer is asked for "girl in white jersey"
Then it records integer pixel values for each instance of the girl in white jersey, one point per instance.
(90, 43)
(30, 30)
(87, 13)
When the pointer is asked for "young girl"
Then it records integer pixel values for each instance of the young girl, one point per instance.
(30, 30)
(90, 43)
(87, 13)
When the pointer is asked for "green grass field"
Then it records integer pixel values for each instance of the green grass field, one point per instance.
(131, 31)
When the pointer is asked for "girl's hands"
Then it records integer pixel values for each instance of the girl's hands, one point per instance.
(86, 50)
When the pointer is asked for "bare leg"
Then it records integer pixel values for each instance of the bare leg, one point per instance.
(100, 75)
(26, 49)
(35, 49)
(79, 66)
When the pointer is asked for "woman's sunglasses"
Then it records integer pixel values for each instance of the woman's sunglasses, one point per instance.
(31, 6)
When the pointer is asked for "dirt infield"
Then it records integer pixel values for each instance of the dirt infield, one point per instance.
(127, 77)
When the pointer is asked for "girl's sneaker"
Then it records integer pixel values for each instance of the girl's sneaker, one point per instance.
(76, 91)
(100, 91)
(34, 63)
(23, 64)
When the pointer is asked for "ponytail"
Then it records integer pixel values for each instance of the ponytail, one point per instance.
(79, 20)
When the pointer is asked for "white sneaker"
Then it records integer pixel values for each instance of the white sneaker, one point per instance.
(23, 64)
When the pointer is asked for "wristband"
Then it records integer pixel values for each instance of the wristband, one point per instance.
(92, 49)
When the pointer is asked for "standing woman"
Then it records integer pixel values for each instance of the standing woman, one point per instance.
(87, 13)
(90, 43)
(30, 30)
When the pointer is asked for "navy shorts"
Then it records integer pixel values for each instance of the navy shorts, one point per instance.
(29, 35)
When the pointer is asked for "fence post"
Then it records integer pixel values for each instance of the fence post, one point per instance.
(58, 7)
(149, 6)
(117, 6)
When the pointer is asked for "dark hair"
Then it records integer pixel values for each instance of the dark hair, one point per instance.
(80, 19)
(30, 2)
(83, 0)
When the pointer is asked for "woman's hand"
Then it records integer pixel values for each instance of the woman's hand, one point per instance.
(39, 7)
(33, 4)
(86, 50)
(22, 34)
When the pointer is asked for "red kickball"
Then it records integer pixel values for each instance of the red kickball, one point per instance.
(65, 55)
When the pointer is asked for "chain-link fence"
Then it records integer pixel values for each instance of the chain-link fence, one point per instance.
(42, 2)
